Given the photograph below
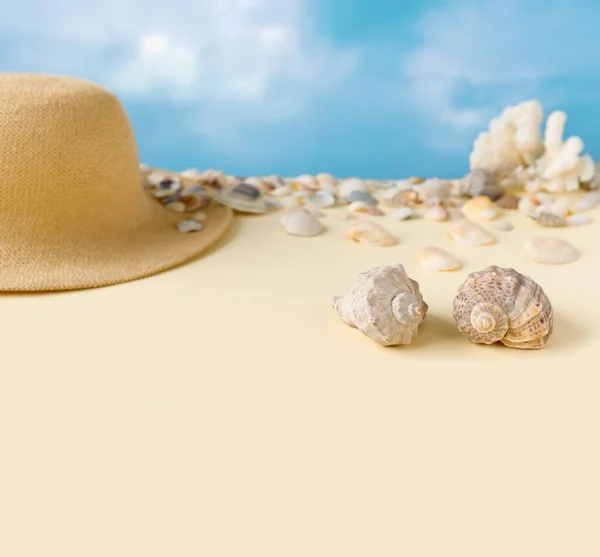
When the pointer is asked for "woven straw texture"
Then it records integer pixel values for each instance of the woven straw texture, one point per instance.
(73, 213)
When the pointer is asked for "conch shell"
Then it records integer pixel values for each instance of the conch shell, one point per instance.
(385, 305)
(501, 304)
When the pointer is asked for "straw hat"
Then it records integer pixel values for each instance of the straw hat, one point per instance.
(73, 212)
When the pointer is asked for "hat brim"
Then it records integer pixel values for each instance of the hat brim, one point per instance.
(91, 262)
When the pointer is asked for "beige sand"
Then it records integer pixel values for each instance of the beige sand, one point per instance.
(223, 409)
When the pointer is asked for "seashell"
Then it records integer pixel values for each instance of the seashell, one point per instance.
(167, 187)
(347, 186)
(437, 213)
(483, 183)
(560, 207)
(305, 182)
(502, 225)
(385, 305)
(508, 202)
(361, 197)
(371, 234)
(578, 219)
(528, 205)
(175, 206)
(470, 234)
(403, 213)
(195, 202)
(502, 305)
(586, 203)
(291, 201)
(154, 177)
(437, 259)
(186, 226)
(244, 198)
(480, 208)
(192, 173)
(358, 207)
(323, 199)
(433, 188)
(551, 251)
(191, 190)
(326, 181)
(301, 222)
(272, 202)
(416, 179)
(548, 220)
(281, 191)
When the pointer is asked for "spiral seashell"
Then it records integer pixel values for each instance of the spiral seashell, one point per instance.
(501, 304)
(385, 305)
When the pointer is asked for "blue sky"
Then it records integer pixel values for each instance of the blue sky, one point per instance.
(372, 88)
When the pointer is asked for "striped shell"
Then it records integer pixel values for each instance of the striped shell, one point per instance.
(501, 304)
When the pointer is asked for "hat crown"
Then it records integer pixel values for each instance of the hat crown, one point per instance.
(68, 158)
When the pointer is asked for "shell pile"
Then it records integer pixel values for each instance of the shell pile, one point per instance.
(385, 304)
(502, 305)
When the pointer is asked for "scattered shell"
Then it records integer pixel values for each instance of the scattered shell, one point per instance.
(508, 202)
(167, 187)
(482, 183)
(244, 198)
(301, 223)
(469, 234)
(191, 190)
(586, 203)
(433, 188)
(290, 201)
(437, 259)
(371, 234)
(349, 185)
(403, 213)
(323, 199)
(176, 207)
(527, 205)
(326, 181)
(551, 251)
(501, 304)
(361, 197)
(358, 207)
(185, 226)
(304, 182)
(480, 208)
(578, 219)
(281, 191)
(195, 202)
(549, 220)
(502, 225)
(560, 207)
(437, 213)
(385, 305)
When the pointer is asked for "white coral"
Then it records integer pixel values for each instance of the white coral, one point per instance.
(513, 150)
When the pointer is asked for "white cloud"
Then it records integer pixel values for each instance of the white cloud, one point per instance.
(190, 50)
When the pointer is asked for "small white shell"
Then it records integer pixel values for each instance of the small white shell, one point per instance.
(437, 213)
(527, 205)
(185, 226)
(175, 206)
(551, 251)
(301, 223)
(586, 203)
(578, 219)
(347, 186)
(502, 225)
(371, 234)
(245, 198)
(470, 234)
(480, 208)
(548, 220)
(560, 207)
(323, 199)
(281, 191)
(432, 258)
(403, 213)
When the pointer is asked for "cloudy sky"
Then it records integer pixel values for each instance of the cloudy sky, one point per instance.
(369, 88)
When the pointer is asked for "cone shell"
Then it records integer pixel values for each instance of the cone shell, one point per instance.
(384, 304)
(501, 304)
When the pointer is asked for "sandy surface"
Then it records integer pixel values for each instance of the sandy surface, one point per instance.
(223, 409)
